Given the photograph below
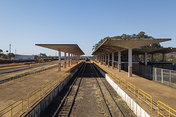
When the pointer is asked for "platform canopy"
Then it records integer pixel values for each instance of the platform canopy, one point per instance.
(114, 45)
(151, 50)
(68, 48)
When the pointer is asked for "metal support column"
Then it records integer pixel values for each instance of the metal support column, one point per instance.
(64, 59)
(130, 62)
(113, 60)
(68, 59)
(59, 64)
(145, 58)
(105, 59)
(108, 60)
(163, 57)
(119, 61)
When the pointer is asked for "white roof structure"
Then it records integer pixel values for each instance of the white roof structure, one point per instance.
(68, 48)
(115, 45)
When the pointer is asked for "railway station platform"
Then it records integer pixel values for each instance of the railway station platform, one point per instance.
(12, 91)
(159, 92)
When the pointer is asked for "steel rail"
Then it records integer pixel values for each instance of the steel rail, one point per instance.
(62, 102)
(108, 91)
(76, 93)
(29, 67)
(102, 93)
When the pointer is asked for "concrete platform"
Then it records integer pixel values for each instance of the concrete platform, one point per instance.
(158, 91)
(14, 90)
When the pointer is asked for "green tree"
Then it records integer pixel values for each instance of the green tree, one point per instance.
(1, 51)
(3, 56)
(10, 55)
(140, 35)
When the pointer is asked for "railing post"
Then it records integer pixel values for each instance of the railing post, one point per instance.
(158, 108)
(151, 103)
(28, 101)
(155, 75)
(161, 75)
(169, 77)
(11, 110)
(22, 106)
(169, 113)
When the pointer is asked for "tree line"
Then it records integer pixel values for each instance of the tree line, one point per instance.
(141, 35)
(5, 56)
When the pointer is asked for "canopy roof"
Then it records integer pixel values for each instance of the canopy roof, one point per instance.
(150, 50)
(68, 48)
(114, 45)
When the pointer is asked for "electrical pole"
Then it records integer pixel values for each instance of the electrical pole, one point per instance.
(9, 48)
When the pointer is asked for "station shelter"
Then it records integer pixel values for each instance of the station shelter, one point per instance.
(73, 51)
(128, 51)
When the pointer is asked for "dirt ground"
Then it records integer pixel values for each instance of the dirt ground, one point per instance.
(14, 90)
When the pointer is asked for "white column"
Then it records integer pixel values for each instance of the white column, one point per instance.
(108, 60)
(68, 59)
(105, 59)
(119, 61)
(59, 57)
(71, 59)
(145, 58)
(113, 60)
(64, 59)
(129, 62)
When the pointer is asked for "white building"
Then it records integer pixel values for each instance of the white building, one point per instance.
(23, 57)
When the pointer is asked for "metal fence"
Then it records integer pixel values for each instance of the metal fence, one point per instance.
(165, 76)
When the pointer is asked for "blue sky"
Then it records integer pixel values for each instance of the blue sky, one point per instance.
(24, 23)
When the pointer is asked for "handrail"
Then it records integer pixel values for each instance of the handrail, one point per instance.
(171, 112)
(35, 94)
(9, 109)
(131, 88)
(145, 97)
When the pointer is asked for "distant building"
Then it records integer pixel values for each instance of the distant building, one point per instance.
(23, 57)
(42, 55)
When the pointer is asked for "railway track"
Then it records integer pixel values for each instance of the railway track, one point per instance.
(65, 105)
(7, 78)
(15, 69)
(107, 96)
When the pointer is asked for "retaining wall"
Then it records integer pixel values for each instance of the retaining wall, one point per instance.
(138, 111)
(42, 104)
